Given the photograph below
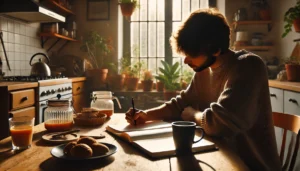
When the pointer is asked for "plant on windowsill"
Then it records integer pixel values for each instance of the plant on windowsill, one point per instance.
(147, 81)
(292, 66)
(169, 77)
(127, 7)
(97, 49)
(292, 17)
(132, 73)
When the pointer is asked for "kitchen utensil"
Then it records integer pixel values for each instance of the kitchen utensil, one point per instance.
(40, 68)
(2, 42)
(61, 139)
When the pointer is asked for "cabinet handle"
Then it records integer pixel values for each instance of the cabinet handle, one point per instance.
(78, 88)
(24, 99)
(293, 101)
(273, 95)
(43, 104)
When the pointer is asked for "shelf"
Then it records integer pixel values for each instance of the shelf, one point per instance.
(252, 22)
(54, 35)
(254, 48)
(52, 4)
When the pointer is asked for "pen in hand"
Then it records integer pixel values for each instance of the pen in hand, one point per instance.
(133, 110)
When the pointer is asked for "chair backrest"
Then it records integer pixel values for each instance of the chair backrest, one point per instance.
(288, 123)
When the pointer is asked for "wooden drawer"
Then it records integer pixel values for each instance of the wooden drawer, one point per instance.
(20, 99)
(78, 88)
(29, 111)
(276, 96)
(291, 102)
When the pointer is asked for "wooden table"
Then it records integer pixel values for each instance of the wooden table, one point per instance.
(38, 157)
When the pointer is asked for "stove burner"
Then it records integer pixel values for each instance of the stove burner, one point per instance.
(31, 78)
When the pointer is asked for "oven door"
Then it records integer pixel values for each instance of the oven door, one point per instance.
(43, 106)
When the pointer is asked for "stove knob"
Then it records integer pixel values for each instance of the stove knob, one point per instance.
(62, 89)
(43, 93)
(69, 88)
(53, 91)
(59, 90)
(66, 88)
(48, 92)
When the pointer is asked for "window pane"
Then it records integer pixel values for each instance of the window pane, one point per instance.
(152, 65)
(134, 38)
(159, 64)
(176, 11)
(152, 10)
(135, 15)
(143, 39)
(160, 10)
(195, 5)
(143, 10)
(185, 9)
(160, 39)
(152, 39)
(204, 4)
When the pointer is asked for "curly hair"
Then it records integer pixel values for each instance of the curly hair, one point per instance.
(205, 31)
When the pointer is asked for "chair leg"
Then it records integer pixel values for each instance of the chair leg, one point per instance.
(295, 152)
(283, 147)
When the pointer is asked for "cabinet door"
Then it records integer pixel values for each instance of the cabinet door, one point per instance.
(29, 111)
(291, 102)
(23, 98)
(78, 88)
(79, 101)
(276, 96)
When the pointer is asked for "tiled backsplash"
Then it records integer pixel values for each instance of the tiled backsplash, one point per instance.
(21, 41)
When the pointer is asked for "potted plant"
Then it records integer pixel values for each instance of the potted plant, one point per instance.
(169, 77)
(292, 67)
(147, 81)
(132, 73)
(127, 7)
(292, 17)
(116, 80)
(97, 48)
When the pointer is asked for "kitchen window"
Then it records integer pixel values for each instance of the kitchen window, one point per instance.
(146, 35)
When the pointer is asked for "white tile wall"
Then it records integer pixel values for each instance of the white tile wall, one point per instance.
(21, 41)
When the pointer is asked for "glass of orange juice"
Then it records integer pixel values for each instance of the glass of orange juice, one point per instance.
(21, 130)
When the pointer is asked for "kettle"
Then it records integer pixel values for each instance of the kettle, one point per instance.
(40, 68)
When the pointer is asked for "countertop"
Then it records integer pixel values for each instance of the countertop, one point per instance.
(11, 86)
(286, 85)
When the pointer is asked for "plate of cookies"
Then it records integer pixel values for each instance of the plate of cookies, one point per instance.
(83, 149)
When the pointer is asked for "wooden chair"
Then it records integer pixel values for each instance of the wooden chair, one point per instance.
(291, 123)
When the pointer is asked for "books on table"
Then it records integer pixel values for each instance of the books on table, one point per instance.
(154, 138)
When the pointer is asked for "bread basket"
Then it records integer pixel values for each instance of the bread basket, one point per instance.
(90, 118)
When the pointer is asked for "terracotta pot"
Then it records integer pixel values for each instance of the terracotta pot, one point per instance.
(96, 78)
(159, 86)
(147, 85)
(127, 9)
(116, 82)
(296, 24)
(169, 94)
(132, 83)
(293, 72)
(265, 14)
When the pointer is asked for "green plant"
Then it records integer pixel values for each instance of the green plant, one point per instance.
(97, 48)
(169, 76)
(187, 75)
(289, 17)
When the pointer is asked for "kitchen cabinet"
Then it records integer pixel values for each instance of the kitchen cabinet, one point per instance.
(276, 96)
(17, 99)
(80, 96)
(291, 102)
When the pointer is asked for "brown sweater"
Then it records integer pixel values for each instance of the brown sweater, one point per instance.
(235, 104)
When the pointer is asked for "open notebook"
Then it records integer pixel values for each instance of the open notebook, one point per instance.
(154, 138)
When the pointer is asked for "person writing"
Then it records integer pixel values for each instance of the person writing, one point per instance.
(228, 95)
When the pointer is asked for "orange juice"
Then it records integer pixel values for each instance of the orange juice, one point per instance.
(107, 112)
(21, 135)
(58, 125)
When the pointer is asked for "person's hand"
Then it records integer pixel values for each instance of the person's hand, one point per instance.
(139, 117)
(189, 114)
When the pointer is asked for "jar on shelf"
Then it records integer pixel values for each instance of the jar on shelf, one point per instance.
(59, 115)
(102, 101)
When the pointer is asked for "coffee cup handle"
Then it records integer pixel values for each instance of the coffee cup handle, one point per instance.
(202, 136)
